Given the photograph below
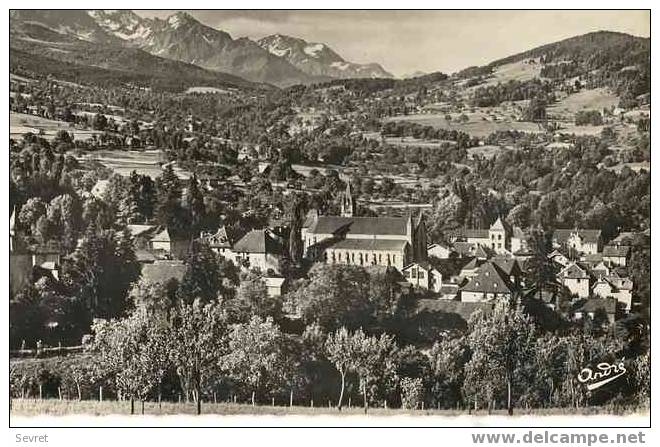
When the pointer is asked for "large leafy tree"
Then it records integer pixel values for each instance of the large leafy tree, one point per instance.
(256, 356)
(502, 344)
(198, 343)
(101, 271)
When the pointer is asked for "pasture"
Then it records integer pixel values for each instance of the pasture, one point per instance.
(22, 123)
(56, 407)
(593, 99)
(476, 127)
(149, 162)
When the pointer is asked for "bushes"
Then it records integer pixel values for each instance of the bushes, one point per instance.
(412, 393)
(588, 118)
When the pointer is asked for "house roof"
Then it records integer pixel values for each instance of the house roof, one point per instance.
(137, 230)
(370, 244)
(360, 225)
(219, 239)
(588, 236)
(273, 281)
(483, 252)
(163, 271)
(623, 238)
(620, 251)
(258, 241)
(498, 225)
(506, 264)
(163, 236)
(423, 264)
(465, 248)
(472, 265)
(489, 279)
(573, 271)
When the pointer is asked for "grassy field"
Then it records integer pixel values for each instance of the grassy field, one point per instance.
(124, 162)
(474, 127)
(594, 99)
(55, 407)
(207, 90)
(21, 123)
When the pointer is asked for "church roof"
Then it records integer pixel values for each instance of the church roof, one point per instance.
(385, 226)
(370, 244)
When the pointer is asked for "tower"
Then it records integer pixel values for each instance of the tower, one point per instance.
(348, 208)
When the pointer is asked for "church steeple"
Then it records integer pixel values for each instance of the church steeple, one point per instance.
(348, 208)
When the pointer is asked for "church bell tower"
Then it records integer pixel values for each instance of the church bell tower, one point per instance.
(348, 208)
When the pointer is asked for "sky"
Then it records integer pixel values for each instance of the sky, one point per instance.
(404, 42)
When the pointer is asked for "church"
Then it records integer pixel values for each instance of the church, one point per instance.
(363, 241)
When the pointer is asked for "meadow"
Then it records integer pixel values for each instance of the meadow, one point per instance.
(22, 123)
(56, 407)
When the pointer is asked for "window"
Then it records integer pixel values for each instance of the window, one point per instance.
(499, 237)
(578, 280)
(414, 273)
(492, 245)
(421, 274)
(499, 245)
(393, 258)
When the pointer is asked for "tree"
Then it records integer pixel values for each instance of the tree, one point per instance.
(370, 357)
(30, 213)
(169, 211)
(339, 349)
(334, 296)
(502, 345)
(195, 204)
(295, 238)
(202, 277)
(198, 343)
(539, 267)
(134, 350)
(253, 299)
(101, 271)
(255, 355)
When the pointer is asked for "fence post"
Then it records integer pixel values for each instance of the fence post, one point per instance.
(101, 393)
(349, 401)
(215, 399)
(311, 403)
(59, 392)
(422, 405)
(291, 399)
(142, 406)
(41, 394)
(273, 401)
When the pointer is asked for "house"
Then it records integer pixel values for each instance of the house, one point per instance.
(615, 287)
(580, 241)
(616, 254)
(510, 267)
(595, 306)
(496, 238)
(576, 279)
(219, 241)
(141, 235)
(260, 249)
(424, 275)
(471, 269)
(173, 246)
(558, 257)
(440, 251)
(490, 283)
(347, 239)
(274, 286)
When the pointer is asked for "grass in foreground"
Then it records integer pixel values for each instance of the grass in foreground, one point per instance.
(56, 407)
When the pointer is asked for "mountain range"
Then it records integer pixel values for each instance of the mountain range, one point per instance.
(278, 60)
